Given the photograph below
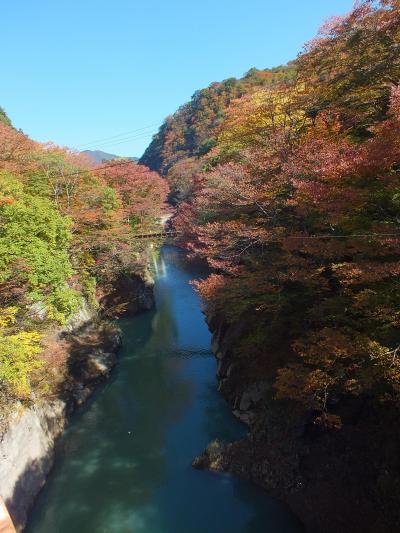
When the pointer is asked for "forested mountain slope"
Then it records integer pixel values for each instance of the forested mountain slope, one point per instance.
(298, 201)
(192, 131)
(67, 230)
(292, 195)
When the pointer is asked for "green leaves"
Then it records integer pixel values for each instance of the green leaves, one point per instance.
(34, 232)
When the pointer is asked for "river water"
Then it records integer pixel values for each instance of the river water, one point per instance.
(124, 463)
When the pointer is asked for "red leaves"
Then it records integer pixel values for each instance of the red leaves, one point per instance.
(16, 150)
(299, 214)
(395, 102)
(141, 191)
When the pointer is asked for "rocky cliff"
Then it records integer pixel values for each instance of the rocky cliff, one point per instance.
(129, 293)
(336, 481)
(27, 446)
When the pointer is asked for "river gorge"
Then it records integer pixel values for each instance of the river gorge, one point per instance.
(124, 462)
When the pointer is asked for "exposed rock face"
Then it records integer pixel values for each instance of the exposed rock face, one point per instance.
(130, 293)
(84, 315)
(93, 353)
(27, 447)
(336, 481)
(215, 457)
(26, 452)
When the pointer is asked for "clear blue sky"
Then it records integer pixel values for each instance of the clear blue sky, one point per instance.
(76, 71)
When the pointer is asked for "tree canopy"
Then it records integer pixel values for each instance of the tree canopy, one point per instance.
(296, 207)
(66, 227)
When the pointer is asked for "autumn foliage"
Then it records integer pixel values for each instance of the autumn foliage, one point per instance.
(66, 228)
(297, 209)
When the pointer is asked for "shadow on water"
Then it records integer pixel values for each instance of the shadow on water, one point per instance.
(124, 464)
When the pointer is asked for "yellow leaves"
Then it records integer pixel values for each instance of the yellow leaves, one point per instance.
(18, 359)
(18, 353)
(267, 115)
(88, 259)
(7, 316)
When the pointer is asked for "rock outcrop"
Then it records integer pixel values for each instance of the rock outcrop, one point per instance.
(129, 293)
(27, 446)
(26, 453)
(336, 481)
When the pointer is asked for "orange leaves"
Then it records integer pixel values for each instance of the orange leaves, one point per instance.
(16, 150)
(299, 209)
(141, 191)
(350, 66)
(6, 200)
(327, 346)
(335, 363)
(306, 387)
(182, 177)
(395, 101)
(209, 288)
(366, 272)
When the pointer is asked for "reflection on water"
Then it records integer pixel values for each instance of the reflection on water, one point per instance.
(124, 464)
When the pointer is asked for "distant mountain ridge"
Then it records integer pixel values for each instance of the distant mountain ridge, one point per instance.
(99, 156)
(191, 131)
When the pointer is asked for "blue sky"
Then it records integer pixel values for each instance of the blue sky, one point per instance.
(78, 72)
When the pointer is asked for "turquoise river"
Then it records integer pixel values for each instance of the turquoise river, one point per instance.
(124, 463)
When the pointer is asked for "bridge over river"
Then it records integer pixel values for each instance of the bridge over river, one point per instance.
(157, 234)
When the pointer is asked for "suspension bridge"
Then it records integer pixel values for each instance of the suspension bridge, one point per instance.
(157, 234)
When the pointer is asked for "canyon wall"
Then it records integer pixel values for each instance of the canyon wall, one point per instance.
(27, 445)
(335, 480)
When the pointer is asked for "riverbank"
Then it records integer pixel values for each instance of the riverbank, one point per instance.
(91, 344)
(335, 481)
(124, 462)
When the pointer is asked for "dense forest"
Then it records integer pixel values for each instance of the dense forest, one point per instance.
(287, 182)
(192, 131)
(67, 230)
(293, 176)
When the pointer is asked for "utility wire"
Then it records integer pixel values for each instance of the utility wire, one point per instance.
(77, 173)
(122, 141)
(127, 137)
(297, 237)
(353, 236)
(116, 136)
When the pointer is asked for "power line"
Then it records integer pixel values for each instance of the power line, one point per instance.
(296, 237)
(175, 232)
(122, 141)
(116, 136)
(355, 235)
(77, 173)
